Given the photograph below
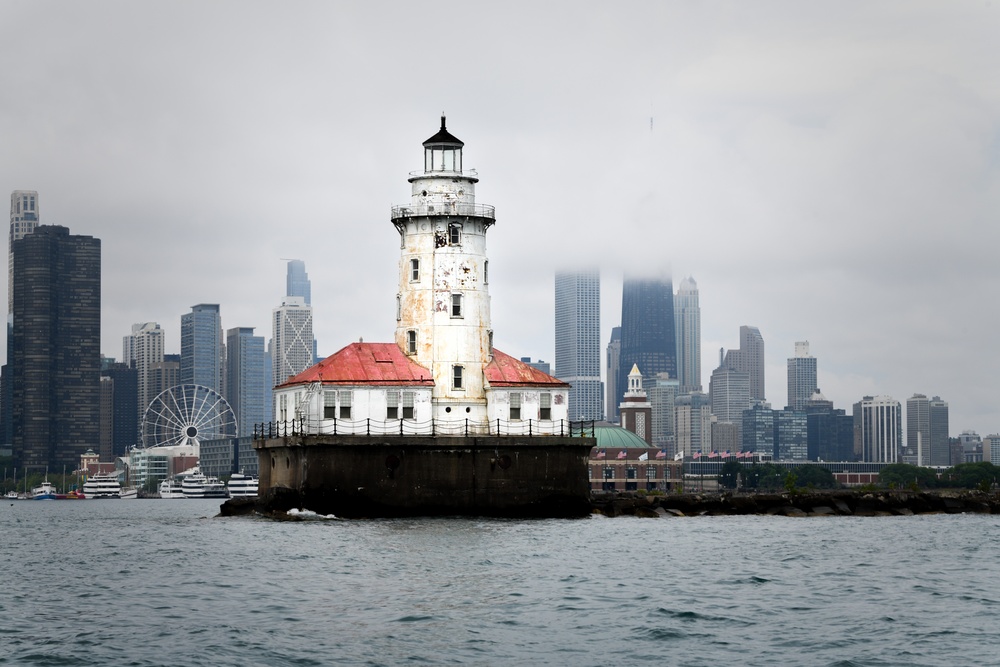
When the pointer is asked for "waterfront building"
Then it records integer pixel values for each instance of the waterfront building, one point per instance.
(578, 340)
(24, 218)
(972, 447)
(687, 330)
(757, 430)
(203, 350)
(246, 378)
(725, 436)
(749, 358)
(647, 337)
(55, 348)
(692, 423)
(791, 435)
(541, 364)
(927, 430)
(662, 391)
(878, 429)
(141, 350)
(442, 373)
(635, 409)
(613, 353)
(830, 431)
(729, 389)
(801, 376)
(119, 410)
(991, 449)
(292, 333)
(297, 281)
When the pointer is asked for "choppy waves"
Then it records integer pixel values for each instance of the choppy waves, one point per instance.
(161, 583)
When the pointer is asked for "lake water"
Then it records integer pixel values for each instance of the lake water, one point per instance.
(158, 582)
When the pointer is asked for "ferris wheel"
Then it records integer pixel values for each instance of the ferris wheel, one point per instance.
(185, 415)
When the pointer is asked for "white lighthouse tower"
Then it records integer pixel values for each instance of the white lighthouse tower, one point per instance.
(443, 305)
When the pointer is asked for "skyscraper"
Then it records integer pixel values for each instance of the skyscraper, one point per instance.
(687, 330)
(749, 358)
(801, 376)
(203, 352)
(120, 427)
(878, 427)
(141, 350)
(24, 218)
(578, 341)
(293, 338)
(612, 394)
(246, 378)
(647, 329)
(297, 281)
(692, 423)
(927, 430)
(55, 348)
(729, 389)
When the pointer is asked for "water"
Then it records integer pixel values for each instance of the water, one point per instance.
(156, 582)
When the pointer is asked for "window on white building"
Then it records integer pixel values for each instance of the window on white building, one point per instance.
(455, 234)
(345, 404)
(456, 305)
(411, 341)
(545, 406)
(456, 377)
(407, 405)
(515, 406)
(392, 405)
(486, 272)
(329, 405)
(399, 307)
(414, 270)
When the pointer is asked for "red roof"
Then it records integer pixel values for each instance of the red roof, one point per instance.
(385, 364)
(506, 371)
(366, 363)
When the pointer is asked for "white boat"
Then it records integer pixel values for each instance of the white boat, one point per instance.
(44, 492)
(198, 485)
(102, 485)
(130, 493)
(12, 495)
(242, 486)
(171, 489)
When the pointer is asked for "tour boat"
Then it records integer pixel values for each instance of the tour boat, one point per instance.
(171, 489)
(242, 486)
(130, 493)
(198, 485)
(102, 485)
(44, 492)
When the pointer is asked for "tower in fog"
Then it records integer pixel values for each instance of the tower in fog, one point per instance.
(647, 329)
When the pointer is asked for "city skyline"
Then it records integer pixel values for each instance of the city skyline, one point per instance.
(748, 155)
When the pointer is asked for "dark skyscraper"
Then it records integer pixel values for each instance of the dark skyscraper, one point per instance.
(647, 330)
(55, 348)
(123, 385)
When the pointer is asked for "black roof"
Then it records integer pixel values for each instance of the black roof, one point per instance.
(444, 137)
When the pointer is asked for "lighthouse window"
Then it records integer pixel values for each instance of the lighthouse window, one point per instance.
(392, 405)
(407, 405)
(414, 270)
(486, 272)
(455, 234)
(515, 406)
(411, 342)
(329, 405)
(456, 377)
(345, 404)
(545, 406)
(456, 305)
(399, 307)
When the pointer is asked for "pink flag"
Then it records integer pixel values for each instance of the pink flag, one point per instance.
(713, 455)
(697, 455)
(662, 454)
(622, 454)
(601, 453)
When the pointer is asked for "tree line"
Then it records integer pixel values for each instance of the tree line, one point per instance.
(771, 477)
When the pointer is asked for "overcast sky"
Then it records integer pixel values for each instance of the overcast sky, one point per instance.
(826, 171)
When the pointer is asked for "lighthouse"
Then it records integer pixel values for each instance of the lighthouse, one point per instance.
(443, 304)
(437, 421)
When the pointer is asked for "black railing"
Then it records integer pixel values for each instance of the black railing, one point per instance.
(531, 428)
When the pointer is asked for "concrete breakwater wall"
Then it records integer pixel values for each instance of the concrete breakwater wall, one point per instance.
(805, 504)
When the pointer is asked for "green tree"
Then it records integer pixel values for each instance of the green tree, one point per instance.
(904, 476)
(972, 475)
(815, 477)
(729, 473)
